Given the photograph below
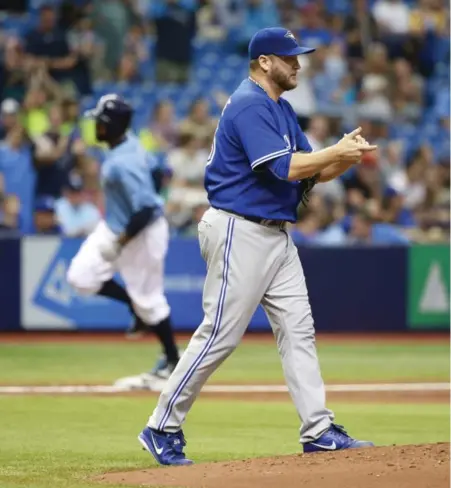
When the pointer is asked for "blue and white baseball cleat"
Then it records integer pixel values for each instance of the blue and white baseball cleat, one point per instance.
(163, 368)
(334, 439)
(166, 448)
(153, 380)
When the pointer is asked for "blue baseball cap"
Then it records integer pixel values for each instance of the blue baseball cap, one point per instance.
(44, 203)
(277, 41)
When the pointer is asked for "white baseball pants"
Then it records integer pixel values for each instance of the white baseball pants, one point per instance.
(141, 265)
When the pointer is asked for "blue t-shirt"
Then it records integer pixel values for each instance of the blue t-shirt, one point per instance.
(127, 184)
(388, 234)
(315, 37)
(17, 170)
(254, 130)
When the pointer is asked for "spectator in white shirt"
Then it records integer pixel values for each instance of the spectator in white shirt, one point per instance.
(187, 191)
(75, 215)
(392, 16)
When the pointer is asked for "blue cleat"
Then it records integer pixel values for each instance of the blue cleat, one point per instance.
(335, 439)
(166, 448)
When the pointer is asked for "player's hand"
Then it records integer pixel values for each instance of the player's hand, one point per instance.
(352, 146)
(110, 250)
(358, 138)
(361, 140)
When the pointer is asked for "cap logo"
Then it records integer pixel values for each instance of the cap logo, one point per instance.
(106, 101)
(290, 35)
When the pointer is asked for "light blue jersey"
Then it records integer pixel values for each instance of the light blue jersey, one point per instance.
(127, 184)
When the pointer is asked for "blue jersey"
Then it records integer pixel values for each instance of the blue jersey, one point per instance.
(127, 184)
(254, 130)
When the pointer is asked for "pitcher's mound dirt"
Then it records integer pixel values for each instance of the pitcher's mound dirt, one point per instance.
(423, 466)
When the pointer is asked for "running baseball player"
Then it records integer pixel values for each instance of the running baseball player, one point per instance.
(132, 240)
(259, 171)
(161, 175)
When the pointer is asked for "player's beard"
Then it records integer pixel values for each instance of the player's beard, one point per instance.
(286, 82)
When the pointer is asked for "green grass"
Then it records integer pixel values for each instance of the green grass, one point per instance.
(61, 441)
(252, 362)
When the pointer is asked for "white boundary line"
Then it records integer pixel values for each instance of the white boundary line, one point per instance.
(243, 389)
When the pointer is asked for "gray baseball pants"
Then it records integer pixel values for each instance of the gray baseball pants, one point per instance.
(249, 264)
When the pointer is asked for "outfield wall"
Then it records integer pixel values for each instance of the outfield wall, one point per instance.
(351, 289)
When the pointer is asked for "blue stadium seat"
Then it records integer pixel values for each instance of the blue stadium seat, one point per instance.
(402, 131)
(210, 59)
(87, 103)
(136, 102)
(103, 87)
(17, 26)
(234, 61)
(204, 74)
(338, 6)
(127, 90)
(148, 88)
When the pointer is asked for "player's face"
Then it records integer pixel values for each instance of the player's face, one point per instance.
(284, 70)
(100, 131)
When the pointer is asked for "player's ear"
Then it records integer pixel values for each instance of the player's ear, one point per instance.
(265, 63)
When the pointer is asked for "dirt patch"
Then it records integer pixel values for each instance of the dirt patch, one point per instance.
(422, 466)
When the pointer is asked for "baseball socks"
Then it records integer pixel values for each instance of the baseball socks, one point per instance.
(163, 330)
(112, 289)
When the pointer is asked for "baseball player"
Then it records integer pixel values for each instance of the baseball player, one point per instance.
(259, 171)
(161, 175)
(133, 238)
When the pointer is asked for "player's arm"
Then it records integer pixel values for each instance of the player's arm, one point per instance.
(340, 167)
(138, 221)
(331, 161)
(142, 213)
(334, 170)
(266, 147)
(142, 210)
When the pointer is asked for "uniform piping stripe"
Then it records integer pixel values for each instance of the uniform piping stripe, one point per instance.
(268, 157)
(214, 333)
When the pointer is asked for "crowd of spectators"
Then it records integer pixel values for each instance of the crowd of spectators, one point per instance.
(380, 64)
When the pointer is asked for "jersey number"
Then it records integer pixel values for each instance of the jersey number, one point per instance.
(213, 145)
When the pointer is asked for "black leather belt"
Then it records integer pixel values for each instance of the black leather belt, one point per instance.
(268, 222)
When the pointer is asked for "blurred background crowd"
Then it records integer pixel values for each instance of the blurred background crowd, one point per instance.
(380, 64)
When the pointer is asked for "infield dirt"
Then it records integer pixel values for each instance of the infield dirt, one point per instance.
(422, 466)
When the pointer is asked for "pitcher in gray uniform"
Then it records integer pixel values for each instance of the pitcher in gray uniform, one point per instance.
(260, 170)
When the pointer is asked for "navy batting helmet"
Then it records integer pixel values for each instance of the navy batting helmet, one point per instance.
(114, 113)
